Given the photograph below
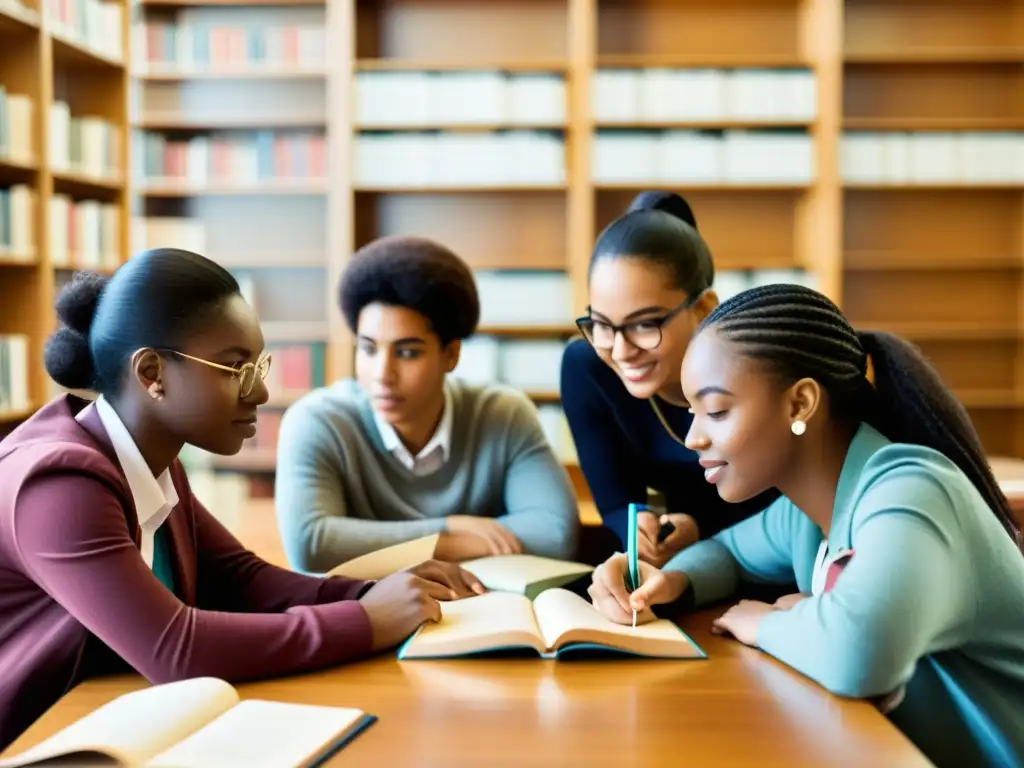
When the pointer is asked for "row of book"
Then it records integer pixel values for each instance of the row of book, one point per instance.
(14, 397)
(524, 297)
(95, 24)
(17, 223)
(456, 98)
(704, 157)
(503, 158)
(704, 95)
(84, 234)
(231, 158)
(729, 282)
(84, 144)
(933, 157)
(186, 48)
(15, 127)
(532, 365)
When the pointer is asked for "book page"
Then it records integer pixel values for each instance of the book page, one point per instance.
(492, 621)
(137, 725)
(384, 562)
(566, 618)
(261, 734)
(525, 574)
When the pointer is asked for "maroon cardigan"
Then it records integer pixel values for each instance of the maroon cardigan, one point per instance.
(77, 599)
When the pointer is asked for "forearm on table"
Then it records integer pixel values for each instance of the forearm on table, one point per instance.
(331, 541)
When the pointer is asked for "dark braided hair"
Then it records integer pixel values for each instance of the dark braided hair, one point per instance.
(798, 333)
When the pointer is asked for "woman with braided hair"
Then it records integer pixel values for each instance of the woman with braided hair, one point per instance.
(905, 552)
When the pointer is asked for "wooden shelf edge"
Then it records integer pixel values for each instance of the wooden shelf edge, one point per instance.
(17, 163)
(937, 55)
(18, 414)
(912, 123)
(374, 189)
(527, 331)
(256, 122)
(110, 184)
(19, 260)
(724, 60)
(942, 331)
(68, 49)
(934, 186)
(724, 124)
(883, 261)
(458, 127)
(228, 74)
(696, 186)
(514, 65)
(257, 189)
(14, 15)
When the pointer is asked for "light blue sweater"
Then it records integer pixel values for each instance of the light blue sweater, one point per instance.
(340, 493)
(932, 599)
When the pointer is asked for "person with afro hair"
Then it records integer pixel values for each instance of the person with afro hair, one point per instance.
(403, 450)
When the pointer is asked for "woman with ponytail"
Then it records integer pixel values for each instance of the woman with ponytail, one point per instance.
(108, 561)
(905, 551)
(650, 284)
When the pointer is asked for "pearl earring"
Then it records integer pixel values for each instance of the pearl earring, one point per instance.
(156, 391)
(798, 427)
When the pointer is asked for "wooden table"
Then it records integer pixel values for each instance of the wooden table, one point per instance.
(736, 708)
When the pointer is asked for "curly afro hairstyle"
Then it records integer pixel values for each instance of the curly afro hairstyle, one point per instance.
(415, 273)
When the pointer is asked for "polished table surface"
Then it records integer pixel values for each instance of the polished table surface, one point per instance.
(737, 707)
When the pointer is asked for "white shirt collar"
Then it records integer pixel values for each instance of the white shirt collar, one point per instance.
(154, 497)
(434, 453)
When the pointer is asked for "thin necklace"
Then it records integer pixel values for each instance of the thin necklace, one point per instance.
(661, 418)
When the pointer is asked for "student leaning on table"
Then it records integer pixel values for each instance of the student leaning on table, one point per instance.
(107, 560)
(904, 548)
(404, 450)
(649, 281)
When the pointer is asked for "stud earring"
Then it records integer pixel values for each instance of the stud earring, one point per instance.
(798, 427)
(156, 391)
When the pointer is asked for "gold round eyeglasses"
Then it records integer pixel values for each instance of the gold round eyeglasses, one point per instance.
(246, 373)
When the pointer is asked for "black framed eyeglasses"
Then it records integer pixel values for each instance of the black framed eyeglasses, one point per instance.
(246, 373)
(643, 334)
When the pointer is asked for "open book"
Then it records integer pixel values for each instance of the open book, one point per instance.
(527, 575)
(555, 623)
(384, 562)
(198, 723)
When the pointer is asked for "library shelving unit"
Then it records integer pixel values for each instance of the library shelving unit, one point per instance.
(933, 169)
(63, 152)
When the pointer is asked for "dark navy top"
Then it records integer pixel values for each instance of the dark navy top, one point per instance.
(624, 449)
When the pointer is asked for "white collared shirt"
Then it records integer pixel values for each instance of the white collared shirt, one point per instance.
(434, 454)
(154, 497)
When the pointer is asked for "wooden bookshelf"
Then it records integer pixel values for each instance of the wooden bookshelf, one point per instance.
(52, 62)
(928, 254)
(602, 99)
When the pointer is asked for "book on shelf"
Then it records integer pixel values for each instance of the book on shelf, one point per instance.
(14, 396)
(183, 232)
(906, 157)
(17, 223)
(84, 144)
(15, 127)
(84, 234)
(555, 624)
(196, 723)
(233, 158)
(426, 159)
(457, 98)
(740, 157)
(93, 24)
(205, 47)
(703, 95)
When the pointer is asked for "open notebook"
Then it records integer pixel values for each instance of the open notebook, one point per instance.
(557, 622)
(384, 562)
(198, 723)
(527, 575)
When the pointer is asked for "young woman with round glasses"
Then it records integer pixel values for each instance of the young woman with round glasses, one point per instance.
(650, 281)
(107, 559)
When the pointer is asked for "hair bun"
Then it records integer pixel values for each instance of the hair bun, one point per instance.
(66, 356)
(669, 202)
(77, 302)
